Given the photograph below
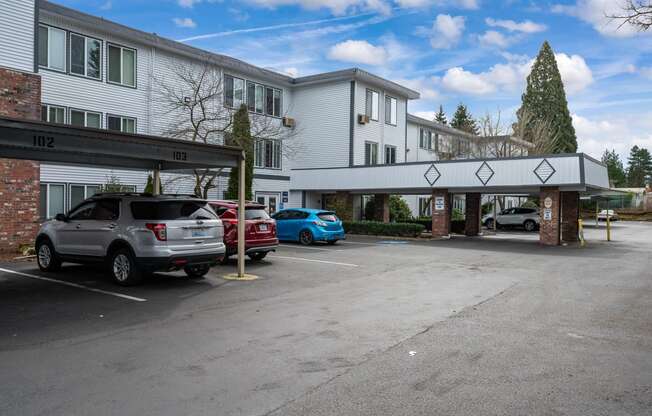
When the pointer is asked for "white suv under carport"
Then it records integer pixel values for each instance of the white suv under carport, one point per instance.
(134, 234)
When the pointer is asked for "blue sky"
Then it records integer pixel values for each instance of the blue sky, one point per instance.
(473, 51)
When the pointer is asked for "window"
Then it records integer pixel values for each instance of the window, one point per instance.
(81, 118)
(255, 97)
(52, 200)
(107, 210)
(172, 210)
(267, 154)
(52, 48)
(234, 91)
(273, 104)
(79, 193)
(371, 109)
(425, 139)
(83, 212)
(85, 56)
(122, 124)
(390, 110)
(370, 153)
(390, 155)
(53, 114)
(425, 207)
(122, 65)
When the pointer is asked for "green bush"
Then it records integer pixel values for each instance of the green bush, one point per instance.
(393, 229)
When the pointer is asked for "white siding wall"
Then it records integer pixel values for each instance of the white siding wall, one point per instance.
(416, 154)
(322, 113)
(17, 24)
(378, 131)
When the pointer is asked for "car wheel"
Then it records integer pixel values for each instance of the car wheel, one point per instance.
(46, 257)
(331, 242)
(123, 268)
(529, 225)
(197, 271)
(306, 238)
(258, 256)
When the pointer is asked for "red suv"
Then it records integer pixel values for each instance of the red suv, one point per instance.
(260, 228)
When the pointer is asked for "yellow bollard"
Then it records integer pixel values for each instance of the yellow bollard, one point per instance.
(608, 225)
(580, 232)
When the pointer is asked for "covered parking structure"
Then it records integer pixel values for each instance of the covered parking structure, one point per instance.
(48, 142)
(558, 180)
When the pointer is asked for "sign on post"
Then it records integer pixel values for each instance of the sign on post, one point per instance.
(439, 203)
(547, 214)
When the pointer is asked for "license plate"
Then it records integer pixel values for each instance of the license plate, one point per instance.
(262, 227)
(200, 232)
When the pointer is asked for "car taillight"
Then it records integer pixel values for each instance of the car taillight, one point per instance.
(159, 230)
(320, 223)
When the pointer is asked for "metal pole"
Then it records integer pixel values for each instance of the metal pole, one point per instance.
(241, 218)
(608, 225)
(156, 180)
(495, 215)
(597, 212)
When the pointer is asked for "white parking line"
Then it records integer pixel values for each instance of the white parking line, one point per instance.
(357, 242)
(315, 261)
(61, 282)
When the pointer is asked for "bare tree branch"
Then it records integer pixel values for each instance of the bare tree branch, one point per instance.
(636, 13)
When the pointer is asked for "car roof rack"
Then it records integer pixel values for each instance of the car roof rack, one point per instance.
(144, 194)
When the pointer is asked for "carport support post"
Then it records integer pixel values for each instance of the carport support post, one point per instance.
(570, 216)
(441, 213)
(241, 217)
(156, 180)
(549, 229)
(473, 214)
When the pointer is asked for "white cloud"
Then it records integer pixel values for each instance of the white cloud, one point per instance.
(292, 71)
(425, 87)
(188, 3)
(511, 76)
(338, 7)
(445, 32)
(185, 22)
(646, 72)
(108, 5)
(594, 136)
(428, 115)
(595, 12)
(526, 26)
(493, 38)
(574, 71)
(459, 80)
(358, 51)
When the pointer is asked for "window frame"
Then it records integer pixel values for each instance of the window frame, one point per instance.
(260, 161)
(369, 108)
(122, 118)
(244, 93)
(395, 108)
(108, 65)
(425, 210)
(79, 110)
(373, 145)
(86, 196)
(47, 199)
(48, 106)
(69, 58)
(393, 149)
(65, 49)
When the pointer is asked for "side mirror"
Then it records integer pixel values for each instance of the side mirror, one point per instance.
(61, 217)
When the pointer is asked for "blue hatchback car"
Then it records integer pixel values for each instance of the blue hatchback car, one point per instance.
(308, 225)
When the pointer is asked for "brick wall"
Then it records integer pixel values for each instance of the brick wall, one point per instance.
(20, 97)
(473, 214)
(549, 229)
(381, 208)
(441, 218)
(570, 215)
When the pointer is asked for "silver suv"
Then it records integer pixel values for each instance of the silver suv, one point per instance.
(134, 234)
(528, 218)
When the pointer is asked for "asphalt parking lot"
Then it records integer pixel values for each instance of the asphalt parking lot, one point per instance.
(493, 325)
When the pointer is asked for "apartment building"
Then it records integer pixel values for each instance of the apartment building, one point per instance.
(99, 74)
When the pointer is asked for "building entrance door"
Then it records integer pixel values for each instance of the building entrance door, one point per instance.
(270, 200)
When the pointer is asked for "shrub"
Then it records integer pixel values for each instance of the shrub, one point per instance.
(399, 210)
(393, 229)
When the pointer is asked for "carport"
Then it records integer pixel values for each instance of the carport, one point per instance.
(56, 143)
(558, 180)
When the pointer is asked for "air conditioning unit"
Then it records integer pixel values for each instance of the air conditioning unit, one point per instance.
(289, 122)
(363, 119)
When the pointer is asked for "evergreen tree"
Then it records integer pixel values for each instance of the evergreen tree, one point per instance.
(615, 168)
(462, 120)
(440, 117)
(639, 171)
(544, 101)
(241, 136)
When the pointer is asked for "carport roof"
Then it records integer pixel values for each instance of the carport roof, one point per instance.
(47, 142)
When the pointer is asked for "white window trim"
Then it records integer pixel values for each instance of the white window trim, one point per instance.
(122, 118)
(69, 52)
(387, 147)
(373, 144)
(69, 191)
(377, 94)
(47, 198)
(65, 49)
(394, 107)
(122, 76)
(86, 112)
(48, 106)
(260, 164)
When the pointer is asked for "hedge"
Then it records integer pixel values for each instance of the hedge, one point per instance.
(392, 229)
